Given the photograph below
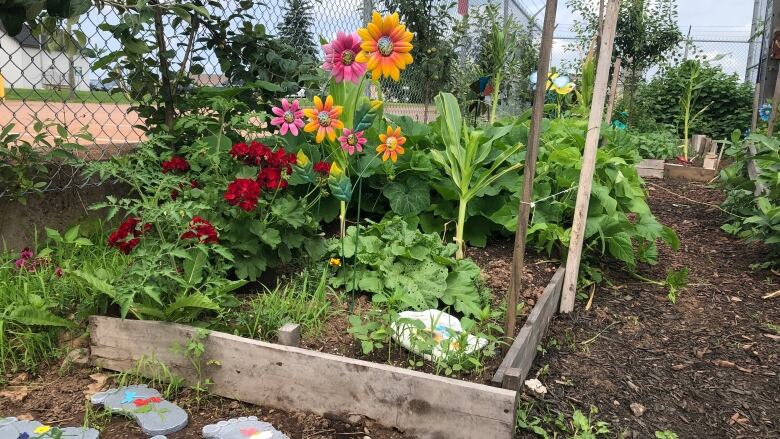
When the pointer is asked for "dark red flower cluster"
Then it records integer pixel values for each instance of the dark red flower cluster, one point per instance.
(27, 260)
(175, 164)
(271, 178)
(322, 168)
(244, 193)
(201, 230)
(127, 236)
(274, 165)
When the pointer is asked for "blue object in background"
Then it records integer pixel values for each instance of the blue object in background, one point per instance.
(764, 112)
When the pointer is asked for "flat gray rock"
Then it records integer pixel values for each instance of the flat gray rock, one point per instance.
(242, 428)
(12, 428)
(153, 414)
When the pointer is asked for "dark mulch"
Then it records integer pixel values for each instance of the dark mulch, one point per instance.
(706, 367)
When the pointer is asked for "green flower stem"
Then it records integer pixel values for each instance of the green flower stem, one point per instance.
(357, 243)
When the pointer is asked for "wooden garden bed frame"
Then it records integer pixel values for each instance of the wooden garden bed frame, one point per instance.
(290, 378)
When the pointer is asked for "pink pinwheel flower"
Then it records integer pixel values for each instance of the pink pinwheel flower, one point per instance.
(340, 57)
(351, 141)
(289, 117)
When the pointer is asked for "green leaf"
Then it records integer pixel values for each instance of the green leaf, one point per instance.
(32, 316)
(670, 238)
(620, 248)
(408, 197)
(195, 300)
(193, 268)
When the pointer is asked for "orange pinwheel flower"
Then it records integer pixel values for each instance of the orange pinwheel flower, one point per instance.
(386, 46)
(392, 144)
(324, 119)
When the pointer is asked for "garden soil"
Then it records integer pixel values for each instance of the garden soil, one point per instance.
(705, 367)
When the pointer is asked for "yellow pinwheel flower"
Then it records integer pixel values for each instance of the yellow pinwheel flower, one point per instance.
(386, 46)
(324, 119)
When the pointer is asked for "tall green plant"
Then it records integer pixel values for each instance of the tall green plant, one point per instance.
(503, 45)
(693, 87)
(465, 152)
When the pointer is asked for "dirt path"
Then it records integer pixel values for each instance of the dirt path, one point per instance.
(706, 367)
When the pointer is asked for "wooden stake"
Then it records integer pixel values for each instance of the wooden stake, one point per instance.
(773, 117)
(613, 90)
(534, 131)
(756, 104)
(589, 157)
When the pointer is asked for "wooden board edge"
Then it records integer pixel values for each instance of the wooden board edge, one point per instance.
(119, 358)
(537, 321)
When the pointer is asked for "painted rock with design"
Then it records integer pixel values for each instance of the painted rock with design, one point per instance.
(242, 428)
(434, 334)
(12, 428)
(154, 415)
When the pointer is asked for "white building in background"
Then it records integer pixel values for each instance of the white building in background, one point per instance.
(26, 64)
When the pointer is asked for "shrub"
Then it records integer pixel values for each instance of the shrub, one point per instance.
(728, 101)
(755, 214)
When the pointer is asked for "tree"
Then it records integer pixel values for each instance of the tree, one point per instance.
(296, 25)
(647, 35)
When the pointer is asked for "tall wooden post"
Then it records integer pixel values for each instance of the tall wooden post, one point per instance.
(529, 172)
(756, 106)
(613, 90)
(589, 157)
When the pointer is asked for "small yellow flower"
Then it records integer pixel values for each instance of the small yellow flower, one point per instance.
(302, 158)
(392, 144)
(42, 429)
(335, 262)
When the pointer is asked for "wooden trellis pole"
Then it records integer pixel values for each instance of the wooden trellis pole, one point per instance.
(534, 131)
(589, 157)
(756, 105)
(613, 90)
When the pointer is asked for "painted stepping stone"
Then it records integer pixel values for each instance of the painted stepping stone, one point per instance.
(433, 334)
(12, 428)
(242, 428)
(153, 414)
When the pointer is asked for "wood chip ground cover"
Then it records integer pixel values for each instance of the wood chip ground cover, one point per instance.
(707, 367)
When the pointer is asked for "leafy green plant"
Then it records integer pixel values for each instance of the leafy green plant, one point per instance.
(194, 350)
(666, 434)
(149, 370)
(550, 425)
(730, 100)
(465, 155)
(692, 87)
(661, 144)
(753, 204)
(392, 257)
(24, 164)
(39, 299)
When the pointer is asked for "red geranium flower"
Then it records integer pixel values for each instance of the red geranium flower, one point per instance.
(127, 236)
(271, 178)
(322, 168)
(243, 192)
(175, 164)
(201, 230)
(239, 151)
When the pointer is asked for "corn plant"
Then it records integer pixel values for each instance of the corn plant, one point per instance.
(503, 46)
(467, 157)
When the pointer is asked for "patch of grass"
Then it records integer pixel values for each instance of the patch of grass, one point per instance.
(304, 300)
(154, 373)
(39, 299)
(52, 95)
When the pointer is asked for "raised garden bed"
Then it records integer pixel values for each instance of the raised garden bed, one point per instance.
(289, 378)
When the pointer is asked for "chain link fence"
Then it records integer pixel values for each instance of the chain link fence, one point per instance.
(46, 80)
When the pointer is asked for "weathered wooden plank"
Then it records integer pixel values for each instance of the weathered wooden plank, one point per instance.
(289, 378)
(523, 350)
(692, 173)
(650, 168)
